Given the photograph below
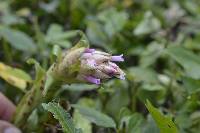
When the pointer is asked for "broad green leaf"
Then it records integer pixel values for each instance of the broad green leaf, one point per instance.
(187, 59)
(80, 87)
(14, 76)
(18, 39)
(148, 25)
(95, 116)
(95, 33)
(113, 20)
(62, 116)
(56, 35)
(134, 123)
(142, 74)
(165, 124)
(79, 120)
(191, 85)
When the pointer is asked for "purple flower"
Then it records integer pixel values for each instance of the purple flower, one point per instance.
(80, 64)
(92, 80)
(97, 65)
(89, 50)
(118, 58)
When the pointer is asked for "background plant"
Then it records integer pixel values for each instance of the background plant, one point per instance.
(160, 43)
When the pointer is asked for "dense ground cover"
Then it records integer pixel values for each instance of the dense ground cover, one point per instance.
(160, 43)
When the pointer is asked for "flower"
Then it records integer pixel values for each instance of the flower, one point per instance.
(81, 64)
(97, 66)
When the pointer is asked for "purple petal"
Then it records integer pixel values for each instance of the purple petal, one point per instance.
(91, 63)
(110, 70)
(87, 55)
(117, 58)
(93, 80)
(122, 77)
(113, 65)
(89, 50)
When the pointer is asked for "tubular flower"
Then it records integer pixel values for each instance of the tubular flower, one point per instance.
(89, 65)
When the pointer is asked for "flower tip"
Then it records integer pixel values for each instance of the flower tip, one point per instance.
(93, 80)
(122, 77)
(117, 58)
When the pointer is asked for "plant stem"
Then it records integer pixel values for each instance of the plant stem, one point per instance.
(33, 98)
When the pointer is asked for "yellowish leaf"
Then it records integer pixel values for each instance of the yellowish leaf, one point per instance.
(14, 76)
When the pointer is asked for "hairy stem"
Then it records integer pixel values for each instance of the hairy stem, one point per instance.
(33, 98)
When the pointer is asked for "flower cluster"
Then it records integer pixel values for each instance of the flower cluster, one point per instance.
(82, 64)
(96, 66)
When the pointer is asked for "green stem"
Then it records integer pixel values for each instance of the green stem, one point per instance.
(33, 98)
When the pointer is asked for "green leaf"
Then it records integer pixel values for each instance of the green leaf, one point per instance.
(148, 25)
(40, 72)
(18, 39)
(113, 20)
(62, 116)
(142, 74)
(81, 122)
(165, 124)
(187, 59)
(57, 52)
(80, 87)
(56, 35)
(134, 124)
(95, 116)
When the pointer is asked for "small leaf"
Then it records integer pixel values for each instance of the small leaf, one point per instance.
(18, 39)
(148, 25)
(165, 124)
(39, 70)
(57, 52)
(14, 76)
(187, 59)
(95, 116)
(62, 116)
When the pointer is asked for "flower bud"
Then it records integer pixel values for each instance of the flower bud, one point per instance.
(81, 64)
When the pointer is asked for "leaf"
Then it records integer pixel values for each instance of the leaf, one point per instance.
(14, 76)
(148, 25)
(57, 52)
(187, 59)
(56, 35)
(191, 85)
(95, 116)
(18, 39)
(165, 124)
(114, 20)
(142, 74)
(134, 123)
(79, 120)
(95, 33)
(62, 116)
(40, 72)
(80, 87)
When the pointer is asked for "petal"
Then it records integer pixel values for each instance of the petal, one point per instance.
(91, 63)
(117, 58)
(87, 56)
(89, 50)
(93, 80)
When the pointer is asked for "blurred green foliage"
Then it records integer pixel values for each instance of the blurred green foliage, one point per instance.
(160, 40)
